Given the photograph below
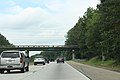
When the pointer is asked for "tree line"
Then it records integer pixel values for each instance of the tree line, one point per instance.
(97, 32)
(3, 40)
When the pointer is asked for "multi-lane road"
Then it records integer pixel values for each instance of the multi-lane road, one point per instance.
(52, 71)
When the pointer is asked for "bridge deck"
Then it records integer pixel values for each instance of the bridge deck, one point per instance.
(40, 47)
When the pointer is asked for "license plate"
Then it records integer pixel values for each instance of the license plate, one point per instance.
(9, 66)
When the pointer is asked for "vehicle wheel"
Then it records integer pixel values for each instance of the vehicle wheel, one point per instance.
(48, 62)
(1, 71)
(22, 70)
(8, 71)
(43, 63)
(27, 68)
(35, 64)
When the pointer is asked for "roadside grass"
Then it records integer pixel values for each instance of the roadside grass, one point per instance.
(108, 64)
(96, 61)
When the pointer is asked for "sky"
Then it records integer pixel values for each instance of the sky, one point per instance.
(40, 22)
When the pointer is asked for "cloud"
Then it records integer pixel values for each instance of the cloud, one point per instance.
(55, 5)
(41, 25)
(14, 9)
(29, 17)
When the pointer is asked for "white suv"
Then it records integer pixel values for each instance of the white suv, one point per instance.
(39, 60)
(13, 59)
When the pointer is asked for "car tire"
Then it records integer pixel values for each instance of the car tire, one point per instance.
(22, 70)
(27, 68)
(1, 71)
(43, 63)
(8, 71)
(35, 64)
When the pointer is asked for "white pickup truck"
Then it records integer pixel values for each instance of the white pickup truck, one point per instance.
(13, 59)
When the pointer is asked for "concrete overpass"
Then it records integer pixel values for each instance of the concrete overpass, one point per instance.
(28, 48)
(40, 47)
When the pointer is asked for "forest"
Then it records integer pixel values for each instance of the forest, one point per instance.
(97, 32)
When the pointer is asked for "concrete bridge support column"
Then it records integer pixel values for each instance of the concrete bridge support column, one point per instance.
(73, 56)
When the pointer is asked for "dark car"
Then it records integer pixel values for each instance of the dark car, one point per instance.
(59, 60)
(52, 60)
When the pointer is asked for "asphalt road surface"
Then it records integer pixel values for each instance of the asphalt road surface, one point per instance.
(52, 71)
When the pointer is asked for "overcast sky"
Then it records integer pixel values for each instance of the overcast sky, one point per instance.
(40, 21)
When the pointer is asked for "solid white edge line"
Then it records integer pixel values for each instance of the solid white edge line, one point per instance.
(79, 72)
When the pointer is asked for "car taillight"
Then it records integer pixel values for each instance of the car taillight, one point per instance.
(20, 60)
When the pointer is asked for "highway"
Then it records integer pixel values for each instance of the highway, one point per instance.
(52, 71)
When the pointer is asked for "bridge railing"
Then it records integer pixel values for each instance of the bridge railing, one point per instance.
(30, 46)
(45, 46)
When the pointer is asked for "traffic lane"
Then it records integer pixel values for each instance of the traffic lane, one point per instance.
(60, 71)
(17, 75)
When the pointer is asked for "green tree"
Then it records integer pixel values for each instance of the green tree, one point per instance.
(110, 28)
(86, 34)
(3, 40)
(92, 33)
(76, 36)
(97, 33)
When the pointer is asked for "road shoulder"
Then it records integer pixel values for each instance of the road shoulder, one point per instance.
(95, 73)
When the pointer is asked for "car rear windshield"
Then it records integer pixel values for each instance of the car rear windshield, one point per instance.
(10, 55)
